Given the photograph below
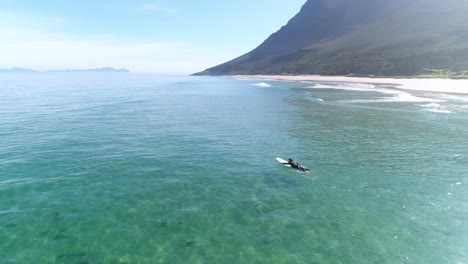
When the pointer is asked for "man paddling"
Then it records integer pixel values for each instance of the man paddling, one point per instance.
(296, 165)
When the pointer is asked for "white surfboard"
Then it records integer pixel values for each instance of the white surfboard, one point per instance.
(284, 162)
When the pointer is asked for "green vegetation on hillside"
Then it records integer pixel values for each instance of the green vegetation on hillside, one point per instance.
(440, 73)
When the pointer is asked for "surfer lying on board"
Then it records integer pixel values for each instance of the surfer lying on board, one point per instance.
(296, 165)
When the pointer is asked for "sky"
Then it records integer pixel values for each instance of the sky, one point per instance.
(153, 36)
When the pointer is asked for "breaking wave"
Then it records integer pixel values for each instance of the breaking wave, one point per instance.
(262, 84)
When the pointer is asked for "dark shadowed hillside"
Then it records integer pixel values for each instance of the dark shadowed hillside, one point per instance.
(363, 37)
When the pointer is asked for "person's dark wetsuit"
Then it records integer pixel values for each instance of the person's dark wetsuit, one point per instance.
(296, 165)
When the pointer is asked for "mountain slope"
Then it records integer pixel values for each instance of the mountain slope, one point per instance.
(363, 37)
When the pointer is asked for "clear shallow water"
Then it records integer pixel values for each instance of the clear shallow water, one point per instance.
(149, 169)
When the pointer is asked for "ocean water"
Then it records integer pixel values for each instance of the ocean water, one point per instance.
(103, 168)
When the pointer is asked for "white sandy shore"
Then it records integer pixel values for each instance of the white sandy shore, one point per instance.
(434, 85)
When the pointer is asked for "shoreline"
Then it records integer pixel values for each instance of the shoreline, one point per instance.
(452, 86)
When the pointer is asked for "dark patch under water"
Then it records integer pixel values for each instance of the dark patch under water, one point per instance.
(72, 258)
(279, 179)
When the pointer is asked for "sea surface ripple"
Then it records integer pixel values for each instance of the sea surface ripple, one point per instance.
(125, 168)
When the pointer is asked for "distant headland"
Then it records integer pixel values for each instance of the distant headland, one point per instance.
(103, 70)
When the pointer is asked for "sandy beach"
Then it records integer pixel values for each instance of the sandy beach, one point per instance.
(434, 85)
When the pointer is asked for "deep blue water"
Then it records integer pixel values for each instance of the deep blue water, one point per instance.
(104, 168)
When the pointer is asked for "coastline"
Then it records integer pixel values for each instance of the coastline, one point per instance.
(452, 86)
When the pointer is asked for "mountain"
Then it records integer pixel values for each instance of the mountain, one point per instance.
(363, 37)
(109, 69)
(17, 70)
(105, 69)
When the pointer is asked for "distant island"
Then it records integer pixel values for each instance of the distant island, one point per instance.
(371, 38)
(104, 70)
(17, 70)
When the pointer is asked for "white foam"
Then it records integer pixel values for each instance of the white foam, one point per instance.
(351, 87)
(463, 107)
(435, 108)
(458, 108)
(400, 97)
(434, 85)
(317, 99)
(453, 97)
(262, 84)
(431, 105)
(438, 111)
(406, 97)
(446, 108)
(321, 86)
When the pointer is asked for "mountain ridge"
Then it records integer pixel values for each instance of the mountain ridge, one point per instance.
(362, 38)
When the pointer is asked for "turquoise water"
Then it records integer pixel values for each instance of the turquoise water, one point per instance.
(150, 169)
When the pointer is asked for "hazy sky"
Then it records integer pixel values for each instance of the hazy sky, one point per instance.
(160, 36)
